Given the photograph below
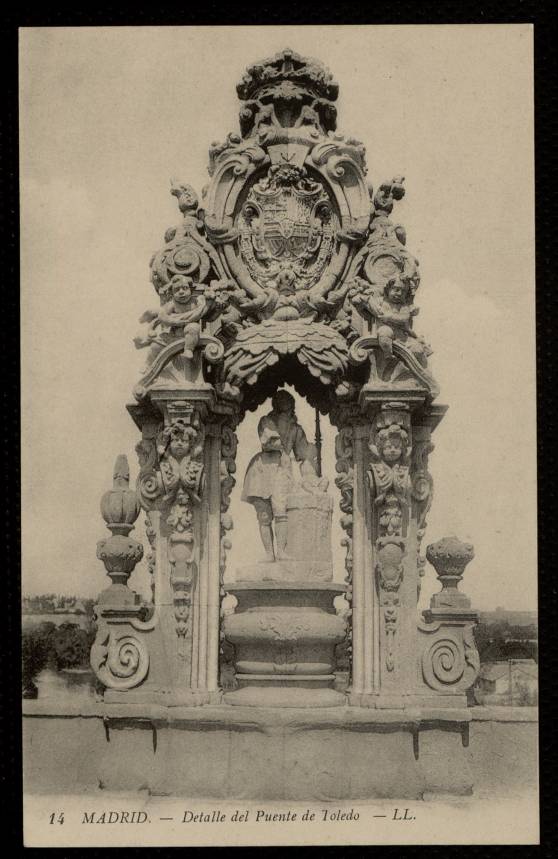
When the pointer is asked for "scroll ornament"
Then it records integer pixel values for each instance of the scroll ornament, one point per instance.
(451, 662)
(120, 660)
(381, 285)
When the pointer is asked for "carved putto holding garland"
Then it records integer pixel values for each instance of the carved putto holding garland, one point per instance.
(291, 253)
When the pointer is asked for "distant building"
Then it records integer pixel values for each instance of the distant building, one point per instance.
(513, 682)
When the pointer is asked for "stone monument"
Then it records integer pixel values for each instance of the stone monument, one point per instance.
(288, 271)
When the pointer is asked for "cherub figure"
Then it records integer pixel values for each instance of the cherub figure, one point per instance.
(390, 456)
(394, 313)
(179, 455)
(180, 314)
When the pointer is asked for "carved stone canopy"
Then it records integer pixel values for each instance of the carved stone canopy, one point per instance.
(291, 259)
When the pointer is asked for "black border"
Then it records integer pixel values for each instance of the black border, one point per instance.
(546, 41)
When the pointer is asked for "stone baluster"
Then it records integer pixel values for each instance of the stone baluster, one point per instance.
(119, 655)
(119, 553)
(448, 657)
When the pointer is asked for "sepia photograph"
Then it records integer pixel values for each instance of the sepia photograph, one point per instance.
(279, 487)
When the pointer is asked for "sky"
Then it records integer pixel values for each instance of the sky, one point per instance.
(108, 115)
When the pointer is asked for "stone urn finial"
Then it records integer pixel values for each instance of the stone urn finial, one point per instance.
(449, 557)
(119, 552)
(119, 506)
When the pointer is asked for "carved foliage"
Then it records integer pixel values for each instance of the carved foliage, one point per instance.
(389, 571)
(345, 482)
(152, 555)
(422, 489)
(229, 442)
(172, 480)
(318, 347)
(344, 466)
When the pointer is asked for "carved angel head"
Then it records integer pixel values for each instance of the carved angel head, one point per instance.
(181, 288)
(179, 437)
(391, 444)
(398, 291)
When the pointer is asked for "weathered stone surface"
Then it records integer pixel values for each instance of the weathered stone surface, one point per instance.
(290, 754)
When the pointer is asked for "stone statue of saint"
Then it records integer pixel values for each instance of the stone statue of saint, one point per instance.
(269, 476)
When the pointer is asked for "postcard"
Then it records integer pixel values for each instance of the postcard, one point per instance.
(278, 453)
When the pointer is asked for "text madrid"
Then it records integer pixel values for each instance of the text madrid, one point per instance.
(258, 815)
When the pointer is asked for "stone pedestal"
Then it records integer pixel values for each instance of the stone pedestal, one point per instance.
(284, 635)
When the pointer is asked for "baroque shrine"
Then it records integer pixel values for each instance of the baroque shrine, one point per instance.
(288, 270)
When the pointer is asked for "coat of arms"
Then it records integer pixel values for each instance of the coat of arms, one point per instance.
(287, 229)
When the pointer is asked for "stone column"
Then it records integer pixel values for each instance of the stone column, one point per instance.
(386, 491)
(180, 488)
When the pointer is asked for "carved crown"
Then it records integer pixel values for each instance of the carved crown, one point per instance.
(287, 65)
(299, 88)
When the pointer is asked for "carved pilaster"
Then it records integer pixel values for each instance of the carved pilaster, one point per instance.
(180, 481)
(174, 458)
(390, 488)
